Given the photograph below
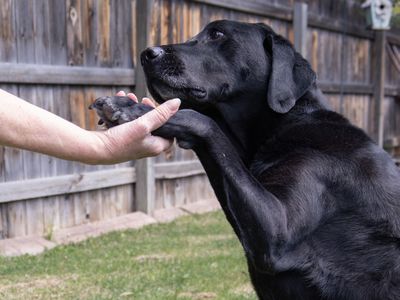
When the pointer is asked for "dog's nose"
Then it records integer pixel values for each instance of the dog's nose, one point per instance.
(153, 52)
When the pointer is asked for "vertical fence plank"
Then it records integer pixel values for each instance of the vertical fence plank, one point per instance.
(145, 180)
(7, 31)
(74, 32)
(104, 31)
(58, 32)
(300, 27)
(379, 86)
(7, 54)
(15, 160)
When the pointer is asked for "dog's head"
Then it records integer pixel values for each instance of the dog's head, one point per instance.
(226, 60)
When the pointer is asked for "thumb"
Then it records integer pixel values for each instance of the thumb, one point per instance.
(159, 115)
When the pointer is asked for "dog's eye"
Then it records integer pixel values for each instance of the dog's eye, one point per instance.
(215, 35)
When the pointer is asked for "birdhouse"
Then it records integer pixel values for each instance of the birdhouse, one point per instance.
(379, 13)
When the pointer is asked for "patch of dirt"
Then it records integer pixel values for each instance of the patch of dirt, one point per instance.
(244, 290)
(195, 240)
(33, 287)
(197, 296)
(38, 283)
(208, 253)
(157, 257)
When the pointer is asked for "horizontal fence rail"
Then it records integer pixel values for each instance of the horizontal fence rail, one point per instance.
(64, 75)
(48, 74)
(355, 88)
(74, 183)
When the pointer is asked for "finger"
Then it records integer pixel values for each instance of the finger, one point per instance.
(133, 97)
(147, 101)
(158, 116)
(121, 93)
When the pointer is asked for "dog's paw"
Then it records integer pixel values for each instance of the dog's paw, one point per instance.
(187, 126)
(118, 110)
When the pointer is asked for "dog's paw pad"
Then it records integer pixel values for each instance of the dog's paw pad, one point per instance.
(113, 110)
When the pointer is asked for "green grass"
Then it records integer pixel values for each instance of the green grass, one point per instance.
(196, 257)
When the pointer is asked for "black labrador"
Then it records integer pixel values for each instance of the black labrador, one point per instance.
(313, 200)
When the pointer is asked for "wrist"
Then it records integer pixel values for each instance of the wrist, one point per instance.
(95, 148)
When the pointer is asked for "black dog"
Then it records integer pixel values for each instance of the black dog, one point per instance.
(314, 202)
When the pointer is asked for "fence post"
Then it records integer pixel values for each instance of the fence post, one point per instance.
(379, 86)
(145, 180)
(300, 27)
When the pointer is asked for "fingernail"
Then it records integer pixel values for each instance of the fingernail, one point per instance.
(121, 93)
(173, 104)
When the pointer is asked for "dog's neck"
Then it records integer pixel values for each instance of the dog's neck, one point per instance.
(249, 122)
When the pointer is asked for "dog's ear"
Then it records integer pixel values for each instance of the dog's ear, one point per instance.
(290, 76)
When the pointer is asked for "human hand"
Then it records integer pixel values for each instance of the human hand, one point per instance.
(133, 140)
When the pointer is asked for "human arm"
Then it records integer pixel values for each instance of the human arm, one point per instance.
(27, 126)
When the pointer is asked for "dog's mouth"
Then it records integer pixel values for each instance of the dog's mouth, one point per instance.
(168, 89)
(198, 93)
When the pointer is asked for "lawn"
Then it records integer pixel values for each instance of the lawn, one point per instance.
(195, 257)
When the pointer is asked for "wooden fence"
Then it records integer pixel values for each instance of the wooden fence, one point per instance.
(62, 54)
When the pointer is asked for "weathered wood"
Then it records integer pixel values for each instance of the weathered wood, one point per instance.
(258, 8)
(356, 109)
(121, 37)
(143, 27)
(44, 37)
(47, 74)
(379, 87)
(145, 184)
(170, 170)
(392, 142)
(337, 88)
(7, 31)
(67, 184)
(34, 208)
(74, 32)
(355, 89)
(265, 9)
(393, 38)
(58, 32)
(392, 91)
(325, 23)
(15, 159)
(300, 27)
(103, 8)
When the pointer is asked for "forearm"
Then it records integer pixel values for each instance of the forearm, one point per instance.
(26, 126)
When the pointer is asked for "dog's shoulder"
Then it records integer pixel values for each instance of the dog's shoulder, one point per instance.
(319, 134)
(325, 149)
(323, 144)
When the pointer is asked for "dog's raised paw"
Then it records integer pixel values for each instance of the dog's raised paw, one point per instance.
(117, 110)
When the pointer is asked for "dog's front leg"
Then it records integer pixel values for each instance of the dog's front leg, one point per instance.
(257, 216)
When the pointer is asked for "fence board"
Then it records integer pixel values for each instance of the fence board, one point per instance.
(74, 32)
(65, 184)
(257, 8)
(70, 52)
(73, 183)
(14, 221)
(47, 74)
(7, 31)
